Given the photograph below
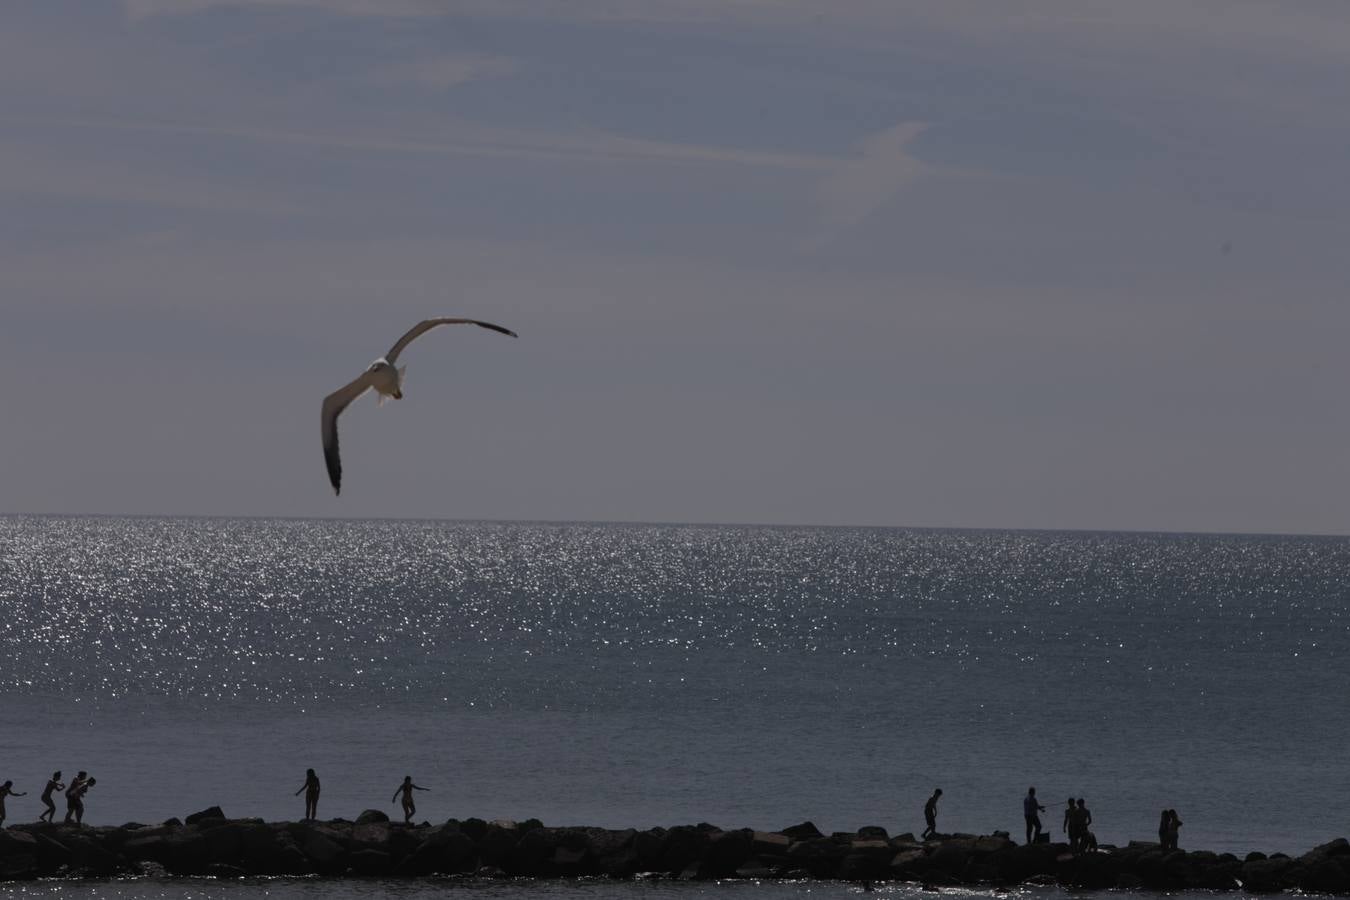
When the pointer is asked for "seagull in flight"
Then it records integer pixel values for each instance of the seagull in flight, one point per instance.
(387, 382)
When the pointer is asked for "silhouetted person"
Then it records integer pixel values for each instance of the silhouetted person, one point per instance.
(79, 799)
(71, 790)
(1030, 811)
(406, 789)
(930, 814)
(53, 784)
(1079, 818)
(1168, 829)
(7, 790)
(1068, 816)
(311, 789)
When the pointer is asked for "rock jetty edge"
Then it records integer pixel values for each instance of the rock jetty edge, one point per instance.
(209, 844)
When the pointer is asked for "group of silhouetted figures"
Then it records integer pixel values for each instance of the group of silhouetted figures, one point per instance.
(75, 791)
(81, 784)
(1077, 822)
(311, 791)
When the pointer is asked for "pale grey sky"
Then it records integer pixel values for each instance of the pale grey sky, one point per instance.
(1039, 264)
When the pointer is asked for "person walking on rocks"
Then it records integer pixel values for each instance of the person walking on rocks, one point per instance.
(72, 790)
(930, 814)
(53, 784)
(311, 789)
(1031, 808)
(406, 789)
(79, 799)
(7, 790)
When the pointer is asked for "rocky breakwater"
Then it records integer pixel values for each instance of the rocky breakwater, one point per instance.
(209, 844)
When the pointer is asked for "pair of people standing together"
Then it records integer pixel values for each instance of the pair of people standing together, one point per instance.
(1077, 822)
(311, 789)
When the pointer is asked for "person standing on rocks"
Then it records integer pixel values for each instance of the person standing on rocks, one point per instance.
(53, 784)
(1079, 820)
(406, 789)
(1031, 808)
(79, 799)
(1068, 817)
(7, 790)
(930, 814)
(311, 789)
(71, 791)
(1168, 829)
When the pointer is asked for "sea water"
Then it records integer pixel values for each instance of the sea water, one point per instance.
(642, 675)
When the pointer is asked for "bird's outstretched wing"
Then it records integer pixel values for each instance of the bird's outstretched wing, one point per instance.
(428, 324)
(333, 405)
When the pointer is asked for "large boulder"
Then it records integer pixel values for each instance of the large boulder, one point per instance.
(821, 857)
(724, 853)
(1328, 875)
(211, 812)
(18, 855)
(495, 845)
(1265, 876)
(447, 852)
(323, 852)
(681, 846)
(806, 831)
(371, 817)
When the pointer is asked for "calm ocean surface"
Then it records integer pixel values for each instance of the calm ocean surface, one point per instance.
(632, 675)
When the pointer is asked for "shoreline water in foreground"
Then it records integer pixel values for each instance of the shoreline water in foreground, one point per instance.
(208, 844)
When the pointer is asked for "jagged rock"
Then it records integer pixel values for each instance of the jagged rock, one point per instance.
(474, 828)
(726, 851)
(1091, 870)
(1329, 875)
(371, 817)
(1324, 852)
(1265, 876)
(909, 865)
(18, 855)
(873, 833)
(648, 847)
(867, 860)
(211, 812)
(89, 857)
(325, 854)
(681, 846)
(806, 831)
(951, 856)
(821, 856)
(370, 862)
(495, 845)
(768, 843)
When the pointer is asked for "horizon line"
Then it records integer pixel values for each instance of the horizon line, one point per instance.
(655, 523)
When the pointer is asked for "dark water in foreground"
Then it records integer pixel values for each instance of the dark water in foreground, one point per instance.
(289, 889)
(623, 675)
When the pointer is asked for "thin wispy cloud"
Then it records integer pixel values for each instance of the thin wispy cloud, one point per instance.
(857, 188)
(440, 73)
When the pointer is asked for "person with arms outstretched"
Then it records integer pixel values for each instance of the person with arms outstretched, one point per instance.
(53, 784)
(930, 814)
(7, 790)
(311, 790)
(406, 789)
